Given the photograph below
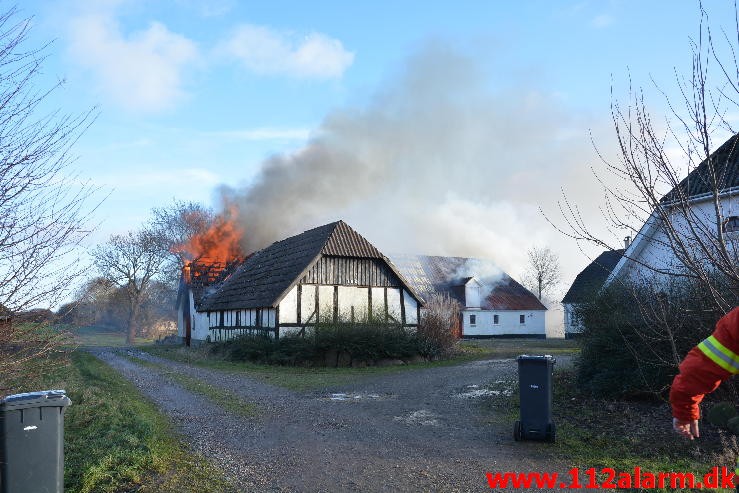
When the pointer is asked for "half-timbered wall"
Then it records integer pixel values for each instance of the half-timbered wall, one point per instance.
(227, 324)
(348, 271)
(306, 304)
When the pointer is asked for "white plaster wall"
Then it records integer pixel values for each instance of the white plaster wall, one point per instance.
(653, 248)
(378, 302)
(393, 303)
(289, 307)
(326, 303)
(307, 304)
(472, 294)
(508, 322)
(411, 308)
(353, 297)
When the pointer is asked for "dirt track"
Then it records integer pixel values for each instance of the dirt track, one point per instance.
(410, 431)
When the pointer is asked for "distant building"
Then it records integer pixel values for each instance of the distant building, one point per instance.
(492, 303)
(586, 286)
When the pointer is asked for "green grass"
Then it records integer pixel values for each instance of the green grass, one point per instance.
(621, 435)
(116, 440)
(100, 336)
(221, 397)
(297, 378)
(510, 348)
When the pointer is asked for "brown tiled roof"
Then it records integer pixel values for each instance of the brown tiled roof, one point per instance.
(725, 162)
(591, 279)
(265, 277)
(431, 275)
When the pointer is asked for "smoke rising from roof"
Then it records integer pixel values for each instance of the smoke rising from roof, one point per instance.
(436, 163)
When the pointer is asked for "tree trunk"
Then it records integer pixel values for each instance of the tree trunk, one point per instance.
(133, 322)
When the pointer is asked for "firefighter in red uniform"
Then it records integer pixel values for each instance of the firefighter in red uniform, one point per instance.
(702, 371)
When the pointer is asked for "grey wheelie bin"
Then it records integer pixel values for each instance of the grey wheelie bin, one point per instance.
(535, 388)
(32, 442)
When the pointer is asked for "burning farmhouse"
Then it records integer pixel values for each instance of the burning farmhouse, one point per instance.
(331, 273)
(328, 273)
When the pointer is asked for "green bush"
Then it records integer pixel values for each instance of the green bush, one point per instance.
(366, 342)
(634, 337)
(721, 413)
(255, 347)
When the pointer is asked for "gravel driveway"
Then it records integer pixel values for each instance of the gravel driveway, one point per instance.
(417, 430)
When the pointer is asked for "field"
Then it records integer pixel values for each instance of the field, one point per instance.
(100, 337)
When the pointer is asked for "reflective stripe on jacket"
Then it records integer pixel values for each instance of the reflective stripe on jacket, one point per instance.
(705, 367)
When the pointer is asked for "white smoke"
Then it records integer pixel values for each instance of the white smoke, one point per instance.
(437, 163)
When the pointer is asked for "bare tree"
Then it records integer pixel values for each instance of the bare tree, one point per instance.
(133, 262)
(646, 185)
(542, 273)
(175, 225)
(43, 209)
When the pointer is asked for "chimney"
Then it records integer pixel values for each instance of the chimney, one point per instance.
(627, 242)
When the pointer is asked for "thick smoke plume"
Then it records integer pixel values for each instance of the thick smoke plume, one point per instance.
(439, 162)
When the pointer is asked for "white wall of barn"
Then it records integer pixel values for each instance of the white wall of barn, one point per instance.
(508, 323)
(351, 300)
(651, 246)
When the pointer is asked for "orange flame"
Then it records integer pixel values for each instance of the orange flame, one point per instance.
(220, 243)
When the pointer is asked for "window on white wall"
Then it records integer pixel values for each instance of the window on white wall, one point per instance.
(496, 319)
(522, 319)
(731, 225)
(473, 319)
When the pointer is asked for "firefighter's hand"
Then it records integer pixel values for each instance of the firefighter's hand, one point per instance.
(688, 429)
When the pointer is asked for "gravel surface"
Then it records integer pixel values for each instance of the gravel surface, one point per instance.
(417, 430)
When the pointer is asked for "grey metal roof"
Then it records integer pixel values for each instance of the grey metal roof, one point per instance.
(430, 275)
(725, 161)
(265, 277)
(591, 279)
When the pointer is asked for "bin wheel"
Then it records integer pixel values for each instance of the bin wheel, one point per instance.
(551, 434)
(517, 435)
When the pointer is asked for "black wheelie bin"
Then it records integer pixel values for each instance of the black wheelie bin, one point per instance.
(535, 389)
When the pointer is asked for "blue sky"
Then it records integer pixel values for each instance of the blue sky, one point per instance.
(194, 95)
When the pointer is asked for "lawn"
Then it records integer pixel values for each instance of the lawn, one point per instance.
(116, 440)
(303, 379)
(510, 348)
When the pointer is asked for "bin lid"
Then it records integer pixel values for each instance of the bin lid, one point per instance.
(43, 398)
(536, 357)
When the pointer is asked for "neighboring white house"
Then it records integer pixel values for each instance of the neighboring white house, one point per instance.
(585, 286)
(651, 256)
(492, 303)
(328, 273)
